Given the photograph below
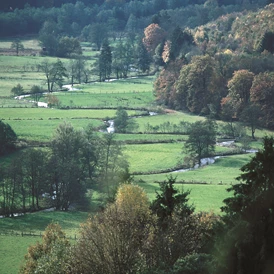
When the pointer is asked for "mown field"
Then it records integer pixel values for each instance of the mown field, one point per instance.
(149, 155)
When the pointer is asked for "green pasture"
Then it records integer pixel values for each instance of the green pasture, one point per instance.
(37, 222)
(223, 171)
(134, 85)
(153, 157)
(14, 247)
(43, 130)
(10, 103)
(150, 138)
(25, 79)
(105, 99)
(203, 197)
(48, 113)
(22, 70)
(12, 252)
(24, 63)
(39, 123)
(88, 52)
(173, 117)
(157, 157)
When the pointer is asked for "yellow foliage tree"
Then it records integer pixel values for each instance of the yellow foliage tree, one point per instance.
(117, 240)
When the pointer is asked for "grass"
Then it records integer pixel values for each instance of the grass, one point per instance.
(105, 100)
(223, 171)
(42, 130)
(13, 248)
(39, 123)
(139, 138)
(203, 197)
(157, 157)
(23, 70)
(27, 43)
(174, 118)
(136, 84)
(47, 113)
(153, 157)
(12, 252)
(38, 221)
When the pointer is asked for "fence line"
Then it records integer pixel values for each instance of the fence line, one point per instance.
(29, 234)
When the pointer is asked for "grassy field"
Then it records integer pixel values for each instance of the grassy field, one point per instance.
(23, 70)
(106, 100)
(39, 123)
(12, 252)
(223, 171)
(153, 157)
(14, 247)
(173, 117)
(203, 197)
(28, 43)
(150, 138)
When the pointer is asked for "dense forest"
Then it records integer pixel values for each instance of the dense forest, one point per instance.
(75, 17)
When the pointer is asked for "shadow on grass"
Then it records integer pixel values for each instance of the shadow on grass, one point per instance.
(38, 221)
(235, 161)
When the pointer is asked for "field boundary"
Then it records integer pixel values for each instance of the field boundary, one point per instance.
(30, 234)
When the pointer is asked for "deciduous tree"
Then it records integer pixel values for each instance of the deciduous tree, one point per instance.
(98, 33)
(117, 240)
(261, 93)
(54, 72)
(196, 86)
(49, 256)
(17, 90)
(17, 45)
(36, 92)
(110, 163)
(122, 123)
(201, 140)
(67, 166)
(250, 116)
(68, 46)
(239, 89)
(154, 35)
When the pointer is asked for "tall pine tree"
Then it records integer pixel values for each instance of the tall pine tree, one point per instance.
(105, 60)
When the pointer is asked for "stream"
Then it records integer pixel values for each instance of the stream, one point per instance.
(204, 162)
(39, 104)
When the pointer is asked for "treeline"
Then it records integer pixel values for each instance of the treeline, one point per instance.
(72, 18)
(134, 235)
(59, 175)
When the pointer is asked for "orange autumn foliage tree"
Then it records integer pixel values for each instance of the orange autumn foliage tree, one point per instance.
(164, 86)
(154, 35)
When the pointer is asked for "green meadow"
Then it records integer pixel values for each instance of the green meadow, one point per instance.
(38, 124)
(224, 171)
(203, 197)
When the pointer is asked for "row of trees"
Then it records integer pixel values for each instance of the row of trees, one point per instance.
(125, 57)
(133, 236)
(59, 175)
